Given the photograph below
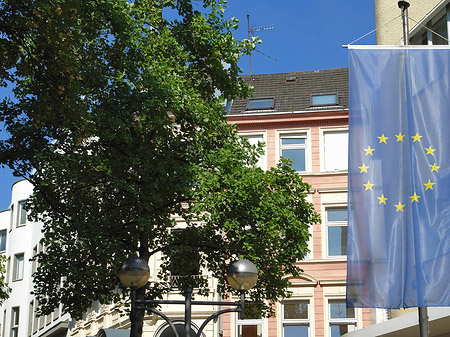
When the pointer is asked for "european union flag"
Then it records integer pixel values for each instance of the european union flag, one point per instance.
(399, 177)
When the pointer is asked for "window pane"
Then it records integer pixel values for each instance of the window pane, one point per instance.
(324, 99)
(297, 156)
(264, 103)
(15, 316)
(337, 240)
(22, 213)
(2, 241)
(18, 268)
(440, 27)
(337, 214)
(254, 330)
(335, 151)
(293, 141)
(298, 310)
(338, 309)
(341, 329)
(295, 331)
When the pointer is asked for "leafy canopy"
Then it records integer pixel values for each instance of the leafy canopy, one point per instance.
(117, 123)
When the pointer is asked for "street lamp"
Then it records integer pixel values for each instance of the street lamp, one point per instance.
(134, 273)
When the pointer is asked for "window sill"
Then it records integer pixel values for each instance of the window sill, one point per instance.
(323, 173)
(325, 260)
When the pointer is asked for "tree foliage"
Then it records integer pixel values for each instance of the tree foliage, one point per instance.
(117, 123)
(4, 288)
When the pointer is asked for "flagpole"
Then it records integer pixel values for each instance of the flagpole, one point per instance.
(423, 312)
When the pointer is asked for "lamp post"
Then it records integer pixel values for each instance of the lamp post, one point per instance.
(134, 273)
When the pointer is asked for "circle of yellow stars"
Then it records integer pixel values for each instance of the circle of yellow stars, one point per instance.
(415, 198)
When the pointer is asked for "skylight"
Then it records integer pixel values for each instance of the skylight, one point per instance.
(324, 99)
(260, 103)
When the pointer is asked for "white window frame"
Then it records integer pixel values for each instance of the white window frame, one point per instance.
(310, 255)
(340, 321)
(327, 224)
(18, 267)
(247, 322)
(263, 134)
(303, 322)
(35, 319)
(15, 320)
(21, 207)
(305, 132)
(323, 158)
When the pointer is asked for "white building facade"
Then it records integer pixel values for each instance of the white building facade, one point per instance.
(20, 240)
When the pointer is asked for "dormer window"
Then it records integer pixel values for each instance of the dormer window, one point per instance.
(260, 103)
(324, 99)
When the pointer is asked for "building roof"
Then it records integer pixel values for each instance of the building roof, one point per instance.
(292, 91)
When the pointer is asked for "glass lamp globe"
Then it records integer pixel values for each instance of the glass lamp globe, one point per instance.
(242, 275)
(134, 272)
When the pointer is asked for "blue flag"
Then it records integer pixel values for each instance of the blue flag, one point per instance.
(399, 177)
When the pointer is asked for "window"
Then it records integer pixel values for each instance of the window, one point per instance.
(260, 103)
(34, 262)
(18, 267)
(3, 240)
(296, 319)
(336, 222)
(335, 150)
(440, 27)
(30, 318)
(250, 326)
(15, 322)
(4, 323)
(35, 321)
(324, 99)
(342, 319)
(22, 214)
(11, 218)
(255, 140)
(293, 146)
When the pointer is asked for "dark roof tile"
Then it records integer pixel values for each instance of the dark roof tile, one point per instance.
(295, 95)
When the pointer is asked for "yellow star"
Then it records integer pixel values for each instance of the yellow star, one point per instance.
(363, 168)
(400, 137)
(383, 139)
(415, 198)
(382, 199)
(399, 207)
(429, 185)
(434, 167)
(369, 151)
(416, 138)
(368, 185)
(430, 151)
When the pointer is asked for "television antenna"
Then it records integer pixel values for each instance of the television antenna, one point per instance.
(250, 33)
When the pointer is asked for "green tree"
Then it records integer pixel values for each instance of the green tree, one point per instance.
(4, 288)
(117, 123)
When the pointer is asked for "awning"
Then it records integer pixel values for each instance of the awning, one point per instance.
(113, 333)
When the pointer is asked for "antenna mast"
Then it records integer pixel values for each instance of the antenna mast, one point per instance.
(250, 32)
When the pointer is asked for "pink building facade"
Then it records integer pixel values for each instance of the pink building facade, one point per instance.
(304, 116)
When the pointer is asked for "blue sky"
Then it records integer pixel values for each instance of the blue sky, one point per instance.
(308, 35)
